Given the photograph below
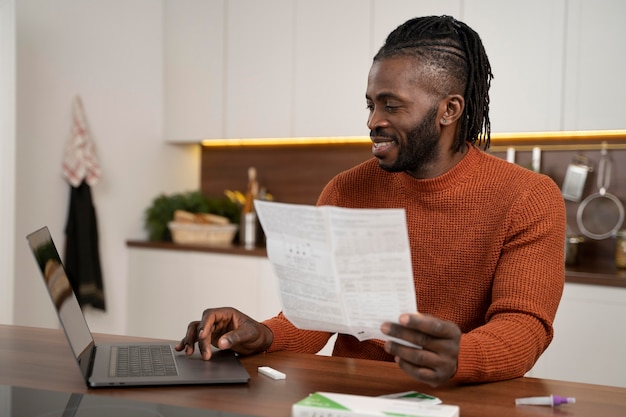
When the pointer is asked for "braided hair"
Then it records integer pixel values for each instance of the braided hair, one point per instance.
(453, 60)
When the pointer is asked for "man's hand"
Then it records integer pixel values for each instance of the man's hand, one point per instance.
(437, 361)
(226, 328)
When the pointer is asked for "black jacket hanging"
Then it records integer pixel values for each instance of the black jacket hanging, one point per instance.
(82, 254)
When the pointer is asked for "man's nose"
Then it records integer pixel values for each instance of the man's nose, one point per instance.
(376, 119)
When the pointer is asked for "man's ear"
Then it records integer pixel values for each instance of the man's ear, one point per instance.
(451, 108)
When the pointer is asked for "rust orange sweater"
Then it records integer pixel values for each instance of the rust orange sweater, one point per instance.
(487, 242)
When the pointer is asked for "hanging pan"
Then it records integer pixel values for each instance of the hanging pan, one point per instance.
(601, 214)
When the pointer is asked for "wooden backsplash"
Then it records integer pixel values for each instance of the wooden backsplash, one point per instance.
(297, 174)
(292, 174)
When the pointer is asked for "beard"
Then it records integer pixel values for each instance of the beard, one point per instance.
(420, 149)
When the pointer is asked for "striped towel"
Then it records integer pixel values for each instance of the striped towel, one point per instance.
(80, 162)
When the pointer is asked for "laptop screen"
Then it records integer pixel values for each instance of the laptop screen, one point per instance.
(63, 297)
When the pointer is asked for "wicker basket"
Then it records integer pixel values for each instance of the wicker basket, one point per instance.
(202, 234)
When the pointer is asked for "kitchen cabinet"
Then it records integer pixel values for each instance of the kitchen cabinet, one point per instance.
(282, 68)
(168, 289)
(193, 69)
(595, 65)
(557, 65)
(331, 62)
(259, 46)
(524, 42)
(589, 341)
(302, 73)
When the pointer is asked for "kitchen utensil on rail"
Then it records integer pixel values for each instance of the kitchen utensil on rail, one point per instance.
(576, 177)
(600, 215)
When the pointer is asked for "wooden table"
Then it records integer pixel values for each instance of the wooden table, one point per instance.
(40, 358)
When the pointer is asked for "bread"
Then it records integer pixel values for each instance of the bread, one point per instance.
(182, 216)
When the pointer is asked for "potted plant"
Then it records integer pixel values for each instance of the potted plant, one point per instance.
(163, 207)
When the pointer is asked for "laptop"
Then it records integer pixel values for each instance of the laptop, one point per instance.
(127, 364)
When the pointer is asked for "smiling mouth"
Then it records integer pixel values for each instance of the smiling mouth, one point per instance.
(382, 147)
(382, 144)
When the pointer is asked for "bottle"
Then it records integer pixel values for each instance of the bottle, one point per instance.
(248, 220)
(620, 249)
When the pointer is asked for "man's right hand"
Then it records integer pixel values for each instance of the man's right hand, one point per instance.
(226, 328)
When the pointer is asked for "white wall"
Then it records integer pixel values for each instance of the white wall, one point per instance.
(7, 156)
(109, 53)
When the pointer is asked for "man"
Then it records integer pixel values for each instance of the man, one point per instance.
(487, 237)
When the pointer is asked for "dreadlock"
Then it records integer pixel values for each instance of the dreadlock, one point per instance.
(455, 58)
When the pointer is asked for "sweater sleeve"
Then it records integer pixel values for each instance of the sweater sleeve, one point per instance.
(526, 292)
(289, 337)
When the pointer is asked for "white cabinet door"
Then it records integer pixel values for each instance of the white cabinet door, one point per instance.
(332, 59)
(595, 65)
(269, 304)
(524, 41)
(193, 69)
(259, 61)
(589, 340)
(168, 289)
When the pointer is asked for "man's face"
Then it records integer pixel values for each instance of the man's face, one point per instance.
(403, 117)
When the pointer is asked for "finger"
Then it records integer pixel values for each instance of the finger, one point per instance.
(421, 358)
(411, 335)
(180, 345)
(422, 330)
(185, 340)
(431, 367)
(423, 365)
(246, 339)
(189, 340)
(430, 325)
(430, 376)
(189, 349)
(205, 335)
(238, 339)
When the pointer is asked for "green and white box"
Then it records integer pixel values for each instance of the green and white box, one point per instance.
(326, 404)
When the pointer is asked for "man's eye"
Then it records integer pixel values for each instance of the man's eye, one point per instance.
(370, 107)
(390, 108)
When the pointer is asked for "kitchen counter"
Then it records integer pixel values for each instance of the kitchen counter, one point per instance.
(603, 274)
(608, 275)
(230, 250)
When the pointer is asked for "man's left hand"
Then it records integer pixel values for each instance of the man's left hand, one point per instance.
(437, 361)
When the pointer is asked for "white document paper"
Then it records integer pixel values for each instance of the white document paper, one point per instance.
(340, 270)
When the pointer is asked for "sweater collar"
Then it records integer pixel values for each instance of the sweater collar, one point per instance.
(458, 174)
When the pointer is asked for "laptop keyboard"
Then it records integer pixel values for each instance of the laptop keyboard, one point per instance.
(142, 360)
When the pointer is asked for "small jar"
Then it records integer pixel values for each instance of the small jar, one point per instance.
(572, 244)
(620, 249)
